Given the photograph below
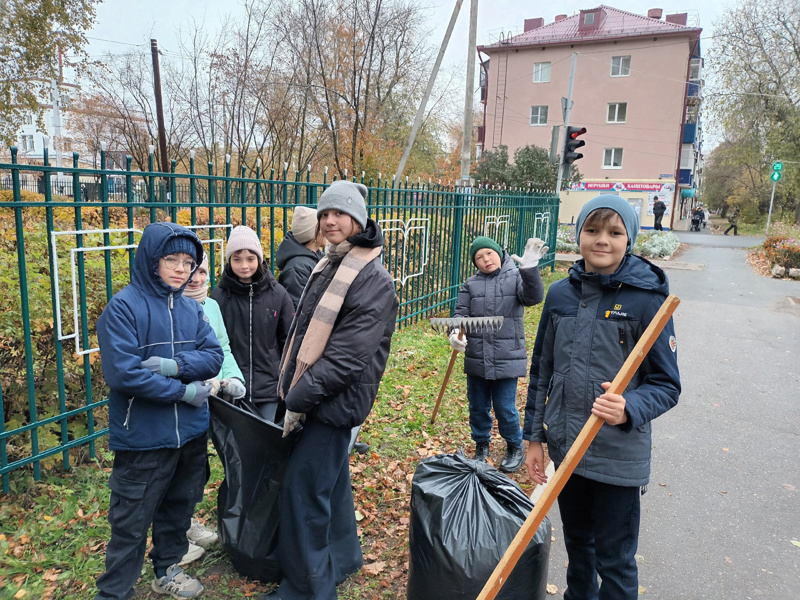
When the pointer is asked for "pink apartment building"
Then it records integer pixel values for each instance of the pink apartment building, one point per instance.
(636, 90)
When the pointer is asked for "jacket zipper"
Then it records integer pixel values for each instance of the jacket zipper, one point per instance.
(250, 336)
(172, 347)
(128, 414)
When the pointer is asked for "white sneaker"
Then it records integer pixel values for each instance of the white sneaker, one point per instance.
(177, 584)
(201, 535)
(192, 554)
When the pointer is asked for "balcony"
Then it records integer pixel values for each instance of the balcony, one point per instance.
(694, 90)
(689, 133)
(685, 177)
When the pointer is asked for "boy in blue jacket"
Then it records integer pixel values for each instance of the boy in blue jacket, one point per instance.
(158, 351)
(590, 323)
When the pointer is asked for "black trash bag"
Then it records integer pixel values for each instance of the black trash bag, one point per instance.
(464, 515)
(254, 456)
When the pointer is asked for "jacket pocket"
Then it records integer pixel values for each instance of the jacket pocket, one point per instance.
(613, 442)
(554, 421)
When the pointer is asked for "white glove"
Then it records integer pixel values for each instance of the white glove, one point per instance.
(459, 345)
(290, 421)
(534, 251)
(215, 385)
(232, 389)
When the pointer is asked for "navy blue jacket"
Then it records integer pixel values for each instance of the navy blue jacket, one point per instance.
(148, 318)
(589, 325)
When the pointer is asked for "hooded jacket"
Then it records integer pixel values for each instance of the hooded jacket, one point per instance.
(295, 262)
(148, 318)
(589, 326)
(340, 388)
(257, 317)
(504, 292)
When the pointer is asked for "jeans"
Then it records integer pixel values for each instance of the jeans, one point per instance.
(601, 533)
(150, 486)
(318, 539)
(502, 394)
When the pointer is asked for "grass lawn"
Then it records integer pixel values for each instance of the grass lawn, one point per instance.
(53, 532)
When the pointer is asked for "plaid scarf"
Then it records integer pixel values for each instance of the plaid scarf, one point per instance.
(327, 310)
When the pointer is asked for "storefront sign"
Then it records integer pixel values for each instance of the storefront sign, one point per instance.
(622, 186)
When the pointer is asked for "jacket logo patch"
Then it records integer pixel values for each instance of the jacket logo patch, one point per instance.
(205, 318)
(618, 307)
(673, 343)
(616, 312)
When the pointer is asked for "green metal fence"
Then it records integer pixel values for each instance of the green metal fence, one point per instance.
(67, 242)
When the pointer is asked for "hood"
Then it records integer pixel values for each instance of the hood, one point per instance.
(371, 237)
(262, 281)
(151, 249)
(634, 271)
(290, 248)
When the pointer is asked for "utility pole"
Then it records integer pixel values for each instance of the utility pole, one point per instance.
(431, 80)
(469, 100)
(564, 168)
(162, 134)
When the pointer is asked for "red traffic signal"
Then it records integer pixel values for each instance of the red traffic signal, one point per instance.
(571, 144)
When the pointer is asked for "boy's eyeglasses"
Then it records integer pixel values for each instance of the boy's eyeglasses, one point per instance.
(173, 263)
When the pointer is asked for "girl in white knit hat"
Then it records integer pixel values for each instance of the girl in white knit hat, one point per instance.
(257, 312)
(299, 252)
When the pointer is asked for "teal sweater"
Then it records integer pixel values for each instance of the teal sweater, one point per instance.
(229, 366)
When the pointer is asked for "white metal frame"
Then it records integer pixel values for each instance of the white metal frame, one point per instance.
(406, 227)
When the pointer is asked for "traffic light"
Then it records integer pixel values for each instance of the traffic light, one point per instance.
(571, 144)
(777, 171)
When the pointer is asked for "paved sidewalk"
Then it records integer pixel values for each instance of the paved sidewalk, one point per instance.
(723, 505)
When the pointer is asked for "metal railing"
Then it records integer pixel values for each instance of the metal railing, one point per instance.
(68, 237)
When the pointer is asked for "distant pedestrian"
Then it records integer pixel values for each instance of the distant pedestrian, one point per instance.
(258, 313)
(590, 323)
(734, 223)
(659, 208)
(158, 352)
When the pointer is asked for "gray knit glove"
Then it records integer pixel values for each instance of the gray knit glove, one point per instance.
(291, 421)
(162, 366)
(197, 393)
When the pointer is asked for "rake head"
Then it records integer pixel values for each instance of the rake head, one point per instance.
(468, 324)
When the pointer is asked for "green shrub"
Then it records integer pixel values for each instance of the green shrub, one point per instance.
(656, 244)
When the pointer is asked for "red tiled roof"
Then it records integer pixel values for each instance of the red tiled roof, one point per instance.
(617, 23)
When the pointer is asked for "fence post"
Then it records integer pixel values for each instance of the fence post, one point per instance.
(455, 250)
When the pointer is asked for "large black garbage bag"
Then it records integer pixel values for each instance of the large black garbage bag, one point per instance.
(254, 456)
(464, 515)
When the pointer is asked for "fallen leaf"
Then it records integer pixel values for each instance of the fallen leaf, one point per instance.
(359, 516)
(374, 568)
(642, 590)
(788, 486)
(48, 518)
(663, 484)
(552, 589)
(20, 593)
(796, 543)
(728, 560)
(725, 449)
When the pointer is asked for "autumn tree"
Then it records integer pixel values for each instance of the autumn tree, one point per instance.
(33, 35)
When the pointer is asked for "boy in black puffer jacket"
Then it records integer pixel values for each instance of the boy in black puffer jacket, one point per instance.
(258, 313)
(494, 360)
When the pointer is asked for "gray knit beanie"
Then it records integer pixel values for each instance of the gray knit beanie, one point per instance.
(243, 238)
(304, 223)
(348, 197)
(619, 205)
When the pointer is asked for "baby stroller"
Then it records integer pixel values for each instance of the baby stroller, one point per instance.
(697, 221)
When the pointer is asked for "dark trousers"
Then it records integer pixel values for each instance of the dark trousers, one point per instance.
(601, 533)
(735, 229)
(502, 394)
(318, 541)
(150, 486)
(657, 223)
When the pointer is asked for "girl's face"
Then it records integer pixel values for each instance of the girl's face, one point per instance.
(603, 245)
(175, 269)
(336, 225)
(487, 260)
(198, 280)
(244, 264)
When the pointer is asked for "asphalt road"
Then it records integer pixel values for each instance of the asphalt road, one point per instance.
(723, 506)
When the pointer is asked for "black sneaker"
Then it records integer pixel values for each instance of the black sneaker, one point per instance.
(513, 459)
(481, 450)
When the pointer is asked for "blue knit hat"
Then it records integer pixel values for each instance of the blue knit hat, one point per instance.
(180, 243)
(620, 206)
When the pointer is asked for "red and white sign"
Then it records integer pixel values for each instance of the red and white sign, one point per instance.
(630, 186)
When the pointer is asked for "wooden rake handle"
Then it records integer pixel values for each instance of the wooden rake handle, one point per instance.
(446, 377)
(576, 452)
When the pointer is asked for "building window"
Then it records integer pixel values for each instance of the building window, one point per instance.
(27, 143)
(694, 68)
(617, 112)
(612, 158)
(538, 115)
(27, 119)
(588, 18)
(541, 72)
(620, 66)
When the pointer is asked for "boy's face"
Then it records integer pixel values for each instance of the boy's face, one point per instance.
(175, 269)
(603, 245)
(487, 260)
(336, 225)
(244, 264)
